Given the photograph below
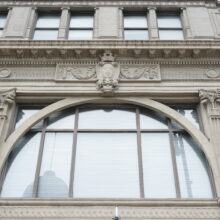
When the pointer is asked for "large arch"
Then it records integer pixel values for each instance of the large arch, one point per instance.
(141, 101)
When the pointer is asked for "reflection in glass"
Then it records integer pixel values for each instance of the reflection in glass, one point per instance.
(80, 35)
(61, 120)
(169, 21)
(48, 21)
(24, 114)
(171, 34)
(81, 21)
(152, 120)
(2, 20)
(192, 168)
(135, 21)
(157, 165)
(21, 167)
(136, 35)
(45, 34)
(106, 166)
(107, 119)
(55, 166)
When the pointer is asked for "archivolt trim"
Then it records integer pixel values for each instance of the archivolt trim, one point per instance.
(141, 101)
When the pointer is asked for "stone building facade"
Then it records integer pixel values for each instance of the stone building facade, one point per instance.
(108, 68)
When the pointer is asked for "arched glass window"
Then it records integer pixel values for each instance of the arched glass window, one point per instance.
(107, 152)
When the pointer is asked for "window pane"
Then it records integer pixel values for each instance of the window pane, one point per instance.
(2, 20)
(48, 21)
(171, 34)
(136, 34)
(107, 119)
(24, 114)
(135, 21)
(56, 163)
(61, 120)
(106, 166)
(192, 168)
(45, 35)
(152, 120)
(81, 21)
(190, 114)
(80, 35)
(169, 21)
(157, 164)
(21, 167)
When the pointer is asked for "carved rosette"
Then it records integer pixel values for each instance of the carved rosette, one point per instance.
(107, 71)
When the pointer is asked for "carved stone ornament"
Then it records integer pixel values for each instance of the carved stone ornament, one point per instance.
(4, 72)
(212, 73)
(7, 97)
(141, 72)
(74, 72)
(211, 97)
(108, 73)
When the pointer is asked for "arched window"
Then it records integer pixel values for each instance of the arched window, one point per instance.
(107, 152)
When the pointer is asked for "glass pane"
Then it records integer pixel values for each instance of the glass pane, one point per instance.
(106, 166)
(152, 120)
(169, 21)
(157, 164)
(48, 21)
(55, 167)
(61, 120)
(45, 35)
(2, 20)
(24, 114)
(22, 164)
(107, 119)
(171, 34)
(135, 21)
(192, 168)
(136, 34)
(190, 114)
(80, 35)
(81, 21)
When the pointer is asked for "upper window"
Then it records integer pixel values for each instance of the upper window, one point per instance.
(81, 27)
(170, 27)
(3, 17)
(47, 26)
(135, 27)
(106, 152)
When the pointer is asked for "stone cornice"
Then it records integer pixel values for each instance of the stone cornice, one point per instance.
(93, 48)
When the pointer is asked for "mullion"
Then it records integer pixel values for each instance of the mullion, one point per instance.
(139, 151)
(39, 161)
(174, 163)
(73, 160)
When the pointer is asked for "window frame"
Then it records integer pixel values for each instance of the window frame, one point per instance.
(178, 15)
(170, 130)
(81, 13)
(136, 13)
(40, 13)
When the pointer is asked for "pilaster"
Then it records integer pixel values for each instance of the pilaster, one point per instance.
(7, 102)
(152, 24)
(31, 23)
(64, 21)
(210, 105)
(185, 23)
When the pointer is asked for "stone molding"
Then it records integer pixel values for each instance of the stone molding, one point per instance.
(108, 212)
(89, 49)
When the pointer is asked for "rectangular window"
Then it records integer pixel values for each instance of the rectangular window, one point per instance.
(47, 26)
(3, 17)
(135, 27)
(81, 26)
(170, 27)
